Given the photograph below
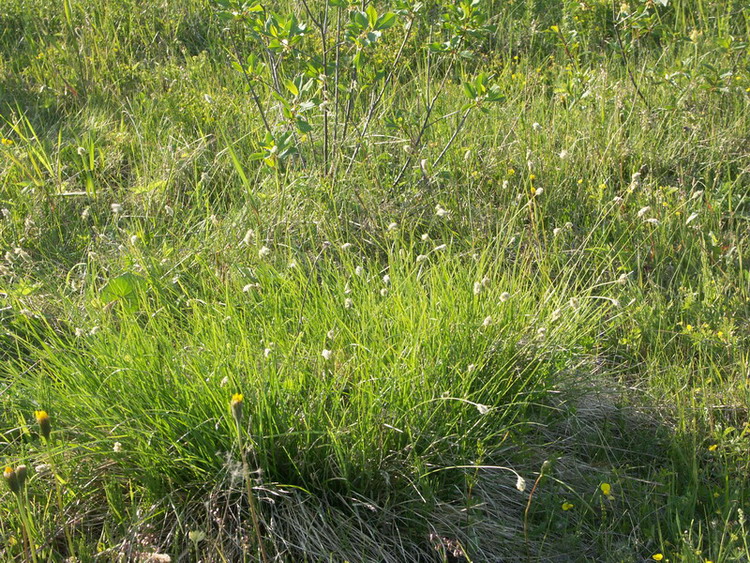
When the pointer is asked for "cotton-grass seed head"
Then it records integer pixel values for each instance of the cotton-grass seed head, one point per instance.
(45, 427)
(236, 405)
(521, 484)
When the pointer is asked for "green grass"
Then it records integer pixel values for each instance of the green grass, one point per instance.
(428, 298)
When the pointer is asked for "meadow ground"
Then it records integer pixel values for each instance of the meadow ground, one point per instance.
(391, 281)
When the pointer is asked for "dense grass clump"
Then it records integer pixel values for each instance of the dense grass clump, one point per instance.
(390, 281)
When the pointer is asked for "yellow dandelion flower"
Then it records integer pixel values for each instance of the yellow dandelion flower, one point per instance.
(567, 506)
(45, 427)
(657, 556)
(6, 142)
(606, 488)
(11, 478)
(713, 447)
(236, 405)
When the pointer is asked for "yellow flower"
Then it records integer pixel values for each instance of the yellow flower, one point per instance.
(44, 425)
(11, 478)
(6, 142)
(606, 488)
(713, 447)
(236, 405)
(657, 557)
(567, 506)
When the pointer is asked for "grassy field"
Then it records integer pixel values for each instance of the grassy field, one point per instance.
(391, 281)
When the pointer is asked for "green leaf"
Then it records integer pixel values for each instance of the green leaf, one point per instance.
(303, 126)
(292, 87)
(386, 21)
(123, 289)
(470, 91)
(372, 15)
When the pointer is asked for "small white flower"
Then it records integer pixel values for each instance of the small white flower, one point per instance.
(134, 240)
(421, 258)
(542, 332)
(331, 334)
(617, 199)
(116, 208)
(79, 332)
(6, 213)
(440, 247)
(623, 279)
(292, 264)
(248, 238)
(653, 220)
(563, 154)
(693, 217)
(574, 303)
(486, 281)
(326, 354)
(264, 251)
(643, 210)
(386, 279)
(208, 99)
(487, 321)
(504, 296)
(393, 226)
(441, 212)
(224, 382)
(43, 469)
(85, 213)
(555, 315)
(347, 289)
(384, 291)
(505, 184)
(477, 288)
(425, 236)
(615, 303)
(483, 409)
(266, 352)
(117, 448)
(521, 484)
(348, 303)
(359, 270)
(536, 126)
(696, 194)
(249, 287)
(346, 246)
(538, 191)
(568, 225)
(94, 330)
(556, 231)
(467, 154)
(168, 210)
(471, 367)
